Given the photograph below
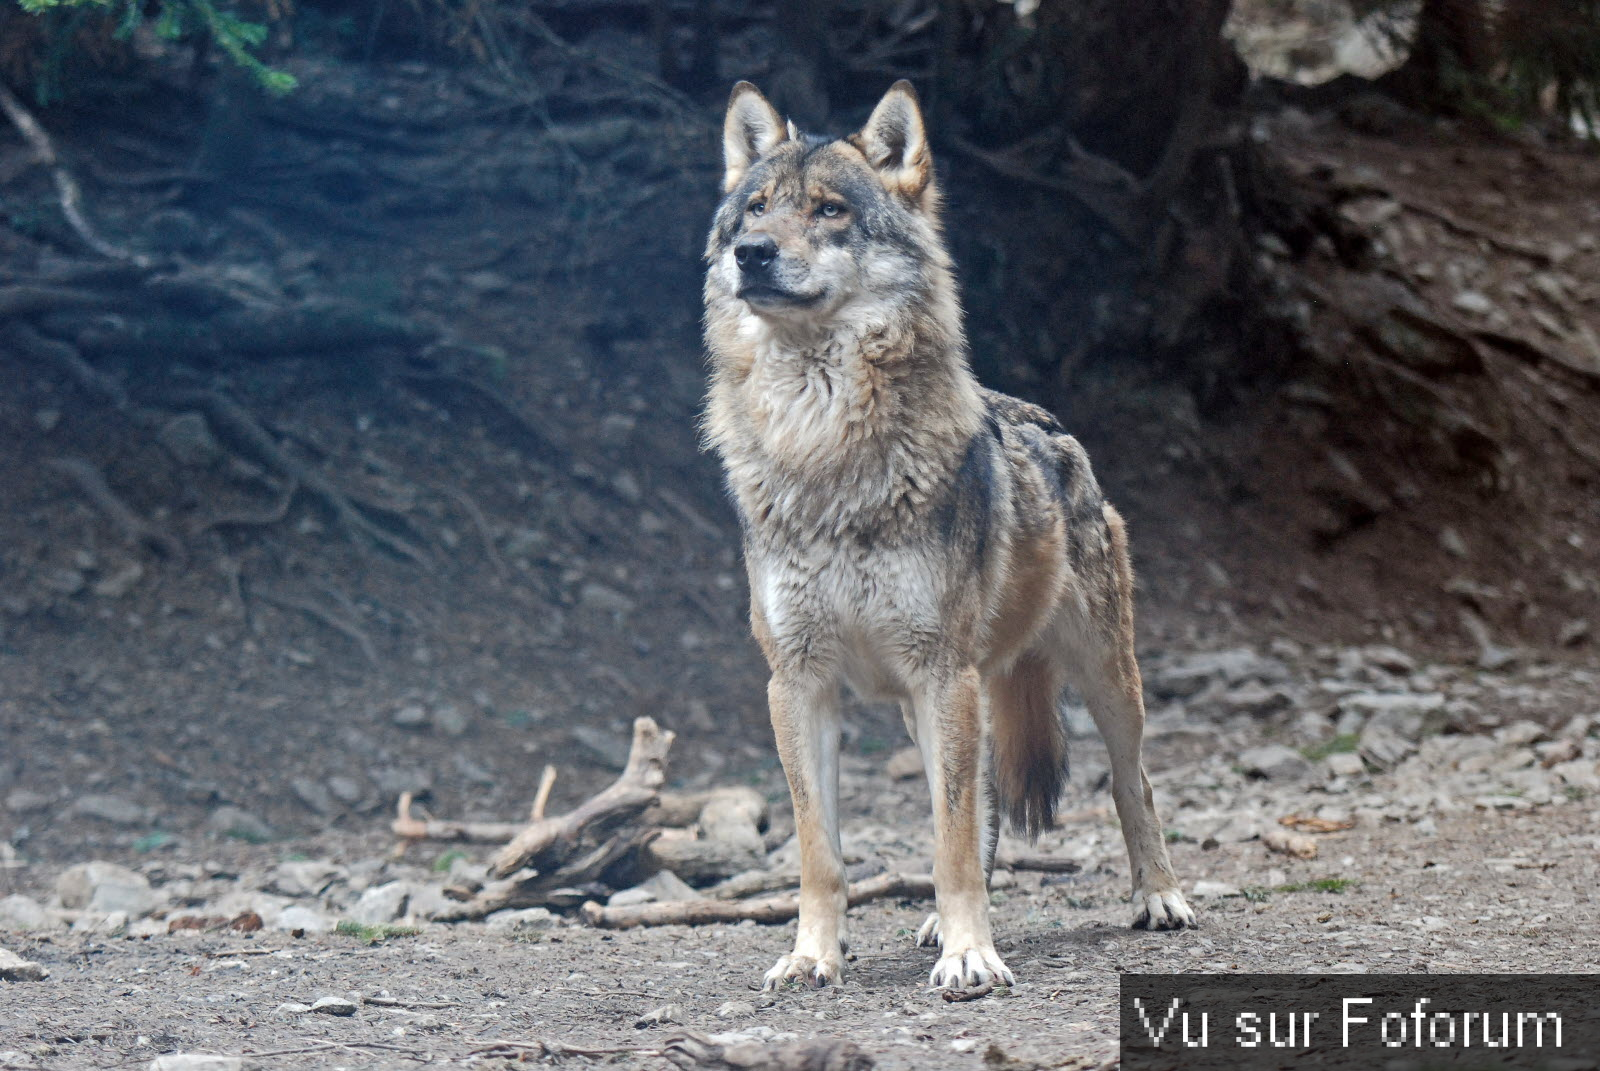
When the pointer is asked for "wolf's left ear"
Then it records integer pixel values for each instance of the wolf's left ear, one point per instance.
(895, 142)
(751, 129)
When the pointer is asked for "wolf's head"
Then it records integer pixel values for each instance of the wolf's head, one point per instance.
(814, 232)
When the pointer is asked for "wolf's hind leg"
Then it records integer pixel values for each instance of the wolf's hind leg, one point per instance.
(805, 721)
(1107, 673)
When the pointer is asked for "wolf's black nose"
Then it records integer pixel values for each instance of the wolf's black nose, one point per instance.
(756, 252)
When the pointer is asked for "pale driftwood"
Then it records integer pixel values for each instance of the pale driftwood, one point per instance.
(547, 781)
(772, 909)
(567, 886)
(728, 839)
(407, 826)
(545, 844)
(1009, 859)
(92, 482)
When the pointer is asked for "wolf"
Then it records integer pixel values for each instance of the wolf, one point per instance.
(905, 530)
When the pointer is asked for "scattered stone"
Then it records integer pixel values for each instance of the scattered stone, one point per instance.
(290, 1008)
(1275, 762)
(631, 897)
(13, 968)
(412, 716)
(667, 1013)
(1285, 843)
(347, 789)
(450, 720)
(304, 877)
(1390, 658)
(113, 809)
(314, 796)
(1186, 676)
(18, 914)
(667, 886)
(1206, 889)
(101, 923)
(100, 886)
(382, 903)
(736, 1009)
(1346, 764)
(904, 764)
(237, 822)
(529, 918)
(1474, 302)
(597, 596)
(1255, 698)
(119, 583)
(1451, 541)
(334, 1006)
(1382, 746)
(23, 801)
(1573, 632)
(306, 919)
(188, 439)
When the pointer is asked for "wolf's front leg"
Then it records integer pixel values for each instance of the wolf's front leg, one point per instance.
(950, 736)
(805, 720)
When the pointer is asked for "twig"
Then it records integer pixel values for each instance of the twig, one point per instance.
(751, 882)
(773, 909)
(67, 190)
(1038, 863)
(391, 1002)
(137, 530)
(547, 781)
(322, 615)
(557, 1048)
(957, 996)
(408, 827)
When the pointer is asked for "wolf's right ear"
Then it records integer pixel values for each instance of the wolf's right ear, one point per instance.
(752, 128)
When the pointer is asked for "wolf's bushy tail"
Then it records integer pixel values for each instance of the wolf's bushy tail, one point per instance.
(1028, 742)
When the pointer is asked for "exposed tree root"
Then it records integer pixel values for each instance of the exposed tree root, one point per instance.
(260, 519)
(66, 358)
(323, 616)
(92, 482)
(67, 190)
(241, 431)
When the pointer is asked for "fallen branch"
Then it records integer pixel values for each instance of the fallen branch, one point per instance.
(1009, 859)
(547, 781)
(546, 843)
(771, 910)
(93, 484)
(957, 996)
(751, 882)
(410, 828)
(67, 189)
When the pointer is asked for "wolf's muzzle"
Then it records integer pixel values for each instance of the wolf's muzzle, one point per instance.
(755, 254)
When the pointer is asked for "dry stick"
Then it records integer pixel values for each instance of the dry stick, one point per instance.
(138, 530)
(556, 1048)
(547, 781)
(773, 909)
(546, 842)
(67, 191)
(751, 882)
(1039, 863)
(322, 615)
(391, 1002)
(410, 828)
(956, 996)
(233, 424)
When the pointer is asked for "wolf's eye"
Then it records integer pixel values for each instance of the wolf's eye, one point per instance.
(831, 210)
(757, 207)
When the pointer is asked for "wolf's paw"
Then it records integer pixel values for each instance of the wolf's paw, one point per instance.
(972, 967)
(1166, 910)
(929, 933)
(814, 972)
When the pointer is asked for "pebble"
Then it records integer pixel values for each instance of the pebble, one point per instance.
(736, 1009)
(304, 877)
(314, 796)
(188, 439)
(412, 716)
(1346, 764)
(528, 918)
(23, 801)
(13, 968)
(382, 903)
(667, 1013)
(450, 719)
(289, 1008)
(334, 1006)
(299, 917)
(1206, 889)
(113, 809)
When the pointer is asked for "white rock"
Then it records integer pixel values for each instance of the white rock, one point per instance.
(236, 822)
(1206, 889)
(631, 897)
(290, 1008)
(382, 903)
(18, 914)
(1345, 764)
(1275, 762)
(102, 923)
(300, 917)
(304, 877)
(103, 887)
(529, 918)
(13, 968)
(735, 1009)
(113, 809)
